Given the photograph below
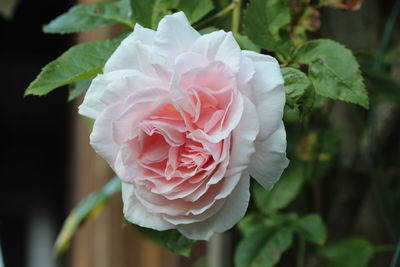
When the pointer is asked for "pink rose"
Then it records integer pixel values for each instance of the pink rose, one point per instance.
(183, 119)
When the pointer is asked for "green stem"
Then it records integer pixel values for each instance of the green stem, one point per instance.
(236, 16)
(301, 252)
(217, 15)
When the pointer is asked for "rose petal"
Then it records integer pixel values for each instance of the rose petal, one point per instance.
(269, 161)
(174, 36)
(231, 212)
(219, 46)
(269, 93)
(137, 214)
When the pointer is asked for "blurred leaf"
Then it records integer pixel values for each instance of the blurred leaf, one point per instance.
(208, 30)
(381, 85)
(296, 82)
(263, 248)
(7, 8)
(86, 209)
(333, 71)
(201, 262)
(148, 13)
(307, 20)
(246, 44)
(312, 228)
(171, 239)
(350, 252)
(142, 11)
(78, 88)
(80, 62)
(250, 223)
(195, 10)
(342, 4)
(263, 20)
(283, 192)
(87, 17)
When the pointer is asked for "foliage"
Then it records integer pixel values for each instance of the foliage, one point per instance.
(317, 73)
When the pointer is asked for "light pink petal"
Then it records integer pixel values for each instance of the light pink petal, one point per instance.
(269, 161)
(138, 214)
(134, 52)
(188, 61)
(219, 46)
(101, 137)
(242, 140)
(231, 212)
(174, 36)
(269, 93)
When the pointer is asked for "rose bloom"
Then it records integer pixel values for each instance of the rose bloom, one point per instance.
(184, 119)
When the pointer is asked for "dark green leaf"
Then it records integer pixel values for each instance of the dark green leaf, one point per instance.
(142, 11)
(208, 30)
(80, 62)
(86, 209)
(333, 71)
(263, 21)
(171, 239)
(263, 248)
(381, 85)
(195, 10)
(250, 223)
(87, 17)
(245, 43)
(148, 13)
(296, 82)
(284, 191)
(350, 252)
(312, 228)
(78, 88)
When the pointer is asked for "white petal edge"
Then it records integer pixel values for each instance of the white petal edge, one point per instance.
(269, 93)
(269, 161)
(174, 36)
(137, 214)
(231, 212)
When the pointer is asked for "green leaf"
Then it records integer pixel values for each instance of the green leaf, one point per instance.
(263, 248)
(78, 88)
(245, 43)
(148, 13)
(195, 10)
(208, 30)
(171, 239)
(263, 21)
(284, 191)
(381, 85)
(86, 209)
(312, 228)
(87, 17)
(333, 71)
(350, 252)
(250, 223)
(142, 11)
(80, 62)
(296, 82)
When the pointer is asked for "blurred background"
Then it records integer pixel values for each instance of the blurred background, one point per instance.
(47, 165)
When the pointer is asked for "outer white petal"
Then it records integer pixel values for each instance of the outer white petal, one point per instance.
(243, 137)
(134, 52)
(111, 87)
(101, 137)
(219, 46)
(231, 212)
(269, 161)
(137, 214)
(269, 93)
(174, 36)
